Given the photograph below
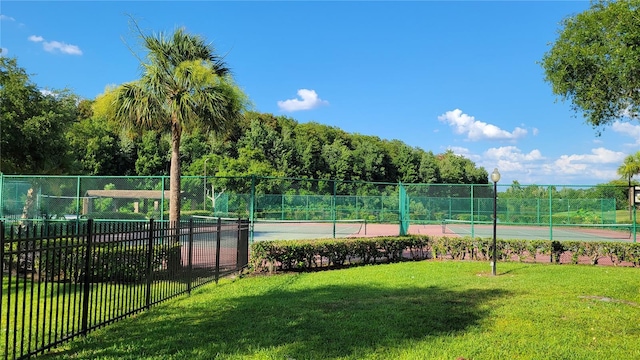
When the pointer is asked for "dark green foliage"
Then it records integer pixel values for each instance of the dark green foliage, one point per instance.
(96, 147)
(595, 60)
(153, 154)
(305, 255)
(268, 145)
(117, 215)
(64, 258)
(57, 134)
(311, 254)
(33, 124)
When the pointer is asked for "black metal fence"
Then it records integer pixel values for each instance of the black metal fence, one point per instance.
(61, 280)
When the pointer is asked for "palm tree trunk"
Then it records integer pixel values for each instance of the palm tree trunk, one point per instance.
(174, 175)
(174, 255)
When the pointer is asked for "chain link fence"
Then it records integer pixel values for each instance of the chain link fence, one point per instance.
(402, 207)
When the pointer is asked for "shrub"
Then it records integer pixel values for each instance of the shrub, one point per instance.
(116, 215)
(304, 255)
(108, 263)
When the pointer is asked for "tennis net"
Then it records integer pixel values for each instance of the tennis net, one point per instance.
(269, 229)
(266, 229)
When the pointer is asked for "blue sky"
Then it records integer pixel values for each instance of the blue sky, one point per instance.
(435, 75)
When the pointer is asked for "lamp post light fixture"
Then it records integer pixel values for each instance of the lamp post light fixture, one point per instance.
(495, 177)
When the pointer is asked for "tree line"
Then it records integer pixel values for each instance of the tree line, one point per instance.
(592, 64)
(56, 132)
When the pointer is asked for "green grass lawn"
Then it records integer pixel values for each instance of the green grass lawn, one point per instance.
(413, 310)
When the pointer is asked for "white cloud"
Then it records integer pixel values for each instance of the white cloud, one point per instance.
(598, 156)
(627, 129)
(46, 92)
(601, 164)
(36, 38)
(56, 46)
(3, 51)
(512, 159)
(513, 153)
(6, 18)
(532, 167)
(462, 151)
(478, 130)
(595, 164)
(310, 100)
(53, 46)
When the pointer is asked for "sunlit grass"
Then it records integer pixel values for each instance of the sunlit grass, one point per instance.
(625, 217)
(36, 313)
(414, 310)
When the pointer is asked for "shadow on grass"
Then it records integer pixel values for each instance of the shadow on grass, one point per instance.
(325, 322)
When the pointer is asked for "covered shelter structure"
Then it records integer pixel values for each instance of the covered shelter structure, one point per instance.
(135, 195)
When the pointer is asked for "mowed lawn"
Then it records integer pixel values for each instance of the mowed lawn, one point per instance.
(412, 310)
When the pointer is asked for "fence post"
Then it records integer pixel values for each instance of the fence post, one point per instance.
(550, 213)
(218, 236)
(87, 278)
(333, 207)
(149, 263)
(252, 202)
(634, 223)
(403, 209)
(473, 235)
(78, 197)
(242, 259)
(190, 257)
(1, 257)
(1, 195)
(162, 198)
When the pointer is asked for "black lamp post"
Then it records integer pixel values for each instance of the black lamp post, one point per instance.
(495, 177)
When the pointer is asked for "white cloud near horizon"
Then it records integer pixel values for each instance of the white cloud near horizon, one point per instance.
(512, 159)
(308, 100)
(630, 130)
(534, 168)
(478, 130)
(462, 151)
(6, 18)
(598, 156)
(56, 46)
(3, 51)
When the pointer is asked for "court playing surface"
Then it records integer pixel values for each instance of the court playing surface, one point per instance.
(302, 229)
(291, 230)
(264, 230)
(582, 232)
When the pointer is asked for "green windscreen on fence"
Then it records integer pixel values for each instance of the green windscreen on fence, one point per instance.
(387, 208)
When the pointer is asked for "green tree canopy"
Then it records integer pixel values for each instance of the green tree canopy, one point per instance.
(630, 167)
(96, 147)
(34, 122)
(185, 86)
(595, 62)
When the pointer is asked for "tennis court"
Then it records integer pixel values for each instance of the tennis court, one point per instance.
(578, 232)
(264, 230)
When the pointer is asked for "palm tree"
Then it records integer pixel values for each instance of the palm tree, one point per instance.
(184, 86)
(629, 168)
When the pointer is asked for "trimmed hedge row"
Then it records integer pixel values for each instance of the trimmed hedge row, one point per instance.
(305, 255)
(65, 259)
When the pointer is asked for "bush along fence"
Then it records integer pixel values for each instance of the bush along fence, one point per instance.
(60, 281)
(298, 255)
